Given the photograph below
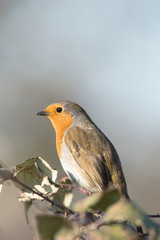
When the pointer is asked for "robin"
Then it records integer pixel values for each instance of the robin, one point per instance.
(86, 154)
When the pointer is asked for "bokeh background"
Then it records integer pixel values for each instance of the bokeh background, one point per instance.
(104, 55)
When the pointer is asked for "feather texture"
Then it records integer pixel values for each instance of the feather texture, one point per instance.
(95, 154)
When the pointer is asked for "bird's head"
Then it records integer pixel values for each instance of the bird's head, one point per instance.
(62, 114)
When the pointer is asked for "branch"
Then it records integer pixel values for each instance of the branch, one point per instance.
(154, 216)
(14, 179)
(6, 174)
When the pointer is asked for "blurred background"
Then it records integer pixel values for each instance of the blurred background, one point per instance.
(104, 55)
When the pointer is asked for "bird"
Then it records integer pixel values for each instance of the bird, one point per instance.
(87, 156)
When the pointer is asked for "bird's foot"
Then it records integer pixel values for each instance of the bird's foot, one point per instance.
(83, 191)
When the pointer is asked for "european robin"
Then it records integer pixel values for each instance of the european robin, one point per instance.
(86, 154)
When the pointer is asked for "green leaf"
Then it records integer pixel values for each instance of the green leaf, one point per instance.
(128, 211)
(50, 226)
(98, 201)
(62, 198)
(37, 174)
(113, 232)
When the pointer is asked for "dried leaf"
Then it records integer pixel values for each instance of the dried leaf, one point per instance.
(27, 205)
(1, 184)
(64, 195)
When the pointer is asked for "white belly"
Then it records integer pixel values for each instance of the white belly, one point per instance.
(74, 171)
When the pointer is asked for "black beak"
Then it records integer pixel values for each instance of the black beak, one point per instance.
(43, 113)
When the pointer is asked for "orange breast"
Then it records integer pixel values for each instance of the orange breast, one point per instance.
(60, 124)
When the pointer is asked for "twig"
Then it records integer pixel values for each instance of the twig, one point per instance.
(14, 179)
(154, 216)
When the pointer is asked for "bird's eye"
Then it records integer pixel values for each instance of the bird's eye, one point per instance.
(59, 109)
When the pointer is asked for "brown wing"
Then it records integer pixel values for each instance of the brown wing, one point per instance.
(86, 149)
(97, 156)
